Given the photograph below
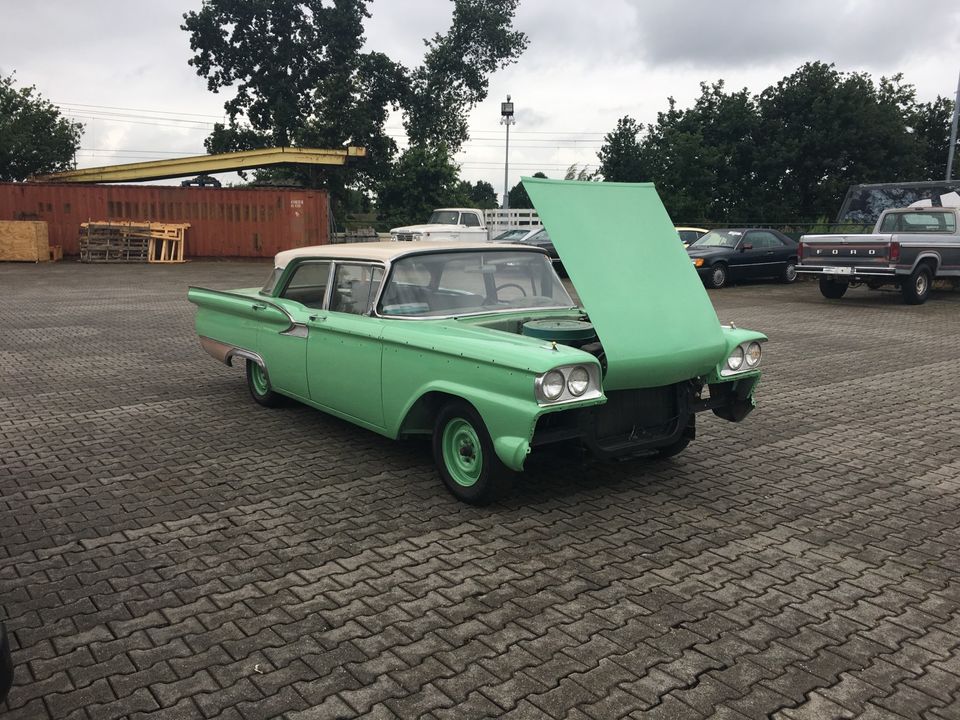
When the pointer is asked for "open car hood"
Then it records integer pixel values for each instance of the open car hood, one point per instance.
(636, 282)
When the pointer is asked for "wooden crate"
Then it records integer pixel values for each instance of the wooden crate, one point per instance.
(56, 253)
(24, 241)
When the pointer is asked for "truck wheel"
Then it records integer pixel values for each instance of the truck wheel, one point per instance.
(259, 387)
(916, 288)
(718, 276)
(832, 289)
(465, 458)
(789, 273)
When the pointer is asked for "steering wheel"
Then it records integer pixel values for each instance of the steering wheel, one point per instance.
(513, 285)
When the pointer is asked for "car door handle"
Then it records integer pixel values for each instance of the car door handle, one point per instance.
(318, 318)
(259, 306)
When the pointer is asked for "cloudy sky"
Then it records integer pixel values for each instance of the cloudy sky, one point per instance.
(120, 66)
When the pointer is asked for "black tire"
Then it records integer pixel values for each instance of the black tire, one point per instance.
(480, 478)
(833, 289)
(916, 288)
(675, 449)
(789, 273)
(259, 387)
(718, 276)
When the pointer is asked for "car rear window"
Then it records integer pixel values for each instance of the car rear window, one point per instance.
(925, 222)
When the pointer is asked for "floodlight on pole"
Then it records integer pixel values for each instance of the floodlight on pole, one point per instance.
(506, 118)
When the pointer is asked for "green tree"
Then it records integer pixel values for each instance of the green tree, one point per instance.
(299, 75)
(423, 179)
(518, 194)
(930, 123)
(823, 130)
(34, 137)
(479, 194)
(621, 156)
(789, 153)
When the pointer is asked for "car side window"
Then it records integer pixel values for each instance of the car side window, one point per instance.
(308, 284)
(763, 240)
(470, 220)
(355, 288)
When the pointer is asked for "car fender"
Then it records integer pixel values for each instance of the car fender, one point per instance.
(734, 336)
(510, 419)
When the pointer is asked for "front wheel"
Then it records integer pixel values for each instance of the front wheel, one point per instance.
(718, 276)
(259, 386)
(832, 289)
(464, 455)
(916, 288)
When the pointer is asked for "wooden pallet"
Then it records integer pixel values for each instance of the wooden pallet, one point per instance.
(132, 242)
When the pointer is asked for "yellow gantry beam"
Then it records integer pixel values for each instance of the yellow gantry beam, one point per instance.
(205, 165)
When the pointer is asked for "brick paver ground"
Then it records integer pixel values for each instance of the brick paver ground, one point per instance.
(172, 550)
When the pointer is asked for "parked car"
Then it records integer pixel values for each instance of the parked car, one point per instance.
(480, 346)
(690, 234)
(908, 248)
(6, 664)
(541, 239)
(516, 234)
(724, 256)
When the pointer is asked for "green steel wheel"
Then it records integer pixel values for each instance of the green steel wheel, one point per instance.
(259, 386)
(465, 457)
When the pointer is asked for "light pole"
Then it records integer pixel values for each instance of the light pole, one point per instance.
(953, 131)
(506, 118)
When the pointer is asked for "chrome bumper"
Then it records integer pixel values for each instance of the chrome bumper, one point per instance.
(832, 271)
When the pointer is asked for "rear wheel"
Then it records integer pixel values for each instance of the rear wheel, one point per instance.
(718, 276)
(916, 288)
(259, 386)
(789, 273)
(464, 455)
(832, 289)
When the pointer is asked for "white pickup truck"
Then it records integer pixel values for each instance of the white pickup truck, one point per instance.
(472, 225)
(455, 224)
(908, 248)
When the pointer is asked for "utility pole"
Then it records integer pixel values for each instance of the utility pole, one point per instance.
(953, 131)
(506, 118)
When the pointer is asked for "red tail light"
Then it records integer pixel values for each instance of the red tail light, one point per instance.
(800, 251)
(894, 252)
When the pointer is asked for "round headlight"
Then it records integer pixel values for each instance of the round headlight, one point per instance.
(735, 361)
(753, 354)
(578, 381)
(552, 385)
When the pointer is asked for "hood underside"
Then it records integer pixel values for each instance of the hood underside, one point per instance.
(635, 281)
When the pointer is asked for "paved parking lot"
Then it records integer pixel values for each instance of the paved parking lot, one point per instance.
(172, 550)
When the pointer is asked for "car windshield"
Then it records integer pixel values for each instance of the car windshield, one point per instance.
(444, 217)
(469, 283)
(539, 238)
(719, 238)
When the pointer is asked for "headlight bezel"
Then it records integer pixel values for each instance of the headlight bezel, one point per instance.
(742, 350)
(592, 390)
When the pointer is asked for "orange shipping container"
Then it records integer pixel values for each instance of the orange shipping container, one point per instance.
(223, 222)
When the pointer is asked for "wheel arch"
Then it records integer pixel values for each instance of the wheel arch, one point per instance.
(420, 417)
(928, 257)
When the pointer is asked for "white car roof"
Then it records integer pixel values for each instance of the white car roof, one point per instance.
(383, 251)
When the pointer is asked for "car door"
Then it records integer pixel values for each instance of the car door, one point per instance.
(284, 337)
(344, 349)
(742, 259)
(771, 253)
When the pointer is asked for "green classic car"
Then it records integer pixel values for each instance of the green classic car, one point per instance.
(481, 347)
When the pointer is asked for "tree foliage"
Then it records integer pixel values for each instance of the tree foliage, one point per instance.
(518, 194)
(423, 179)
(34, 137)
(788, 153)
(298, 75)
